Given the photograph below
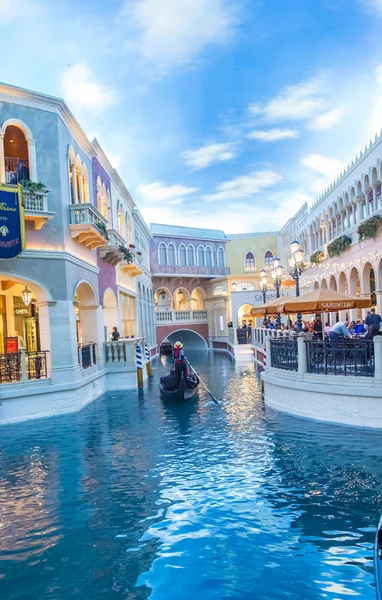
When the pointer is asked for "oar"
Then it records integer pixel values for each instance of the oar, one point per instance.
(202, 382)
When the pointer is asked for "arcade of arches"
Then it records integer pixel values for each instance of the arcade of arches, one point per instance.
(181, 299)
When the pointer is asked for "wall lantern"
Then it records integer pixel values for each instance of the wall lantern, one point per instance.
(163, 294)
(26, 296)
(234, 287)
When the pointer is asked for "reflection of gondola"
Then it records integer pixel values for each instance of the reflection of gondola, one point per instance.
(378, 561)
(188, 387)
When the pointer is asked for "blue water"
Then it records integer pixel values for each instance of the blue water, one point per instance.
(136, 498)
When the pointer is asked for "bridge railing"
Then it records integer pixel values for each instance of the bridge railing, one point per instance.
(183, 316)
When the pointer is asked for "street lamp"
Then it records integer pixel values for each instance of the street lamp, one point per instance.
(296, 265)
(264, 281)
(26, 296)
(277, 274)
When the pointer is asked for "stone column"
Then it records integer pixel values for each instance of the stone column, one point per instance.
(268, 351)
(2, 159)
(375, 203)
(302, 355)
(379, 301)
(74, 183)
(377, 340)
(32, 159)
(81, 198)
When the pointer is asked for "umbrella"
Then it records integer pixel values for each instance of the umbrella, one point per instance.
(269, 308)
(321, 300)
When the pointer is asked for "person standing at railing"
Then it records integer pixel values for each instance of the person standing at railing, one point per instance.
(373, 319)
(339, 330)
(115, 335)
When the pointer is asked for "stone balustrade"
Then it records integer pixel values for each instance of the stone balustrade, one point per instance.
(180, 316)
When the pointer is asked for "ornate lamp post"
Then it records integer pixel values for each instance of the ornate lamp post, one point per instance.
(264, 281)
(277, 273)
(296, 265)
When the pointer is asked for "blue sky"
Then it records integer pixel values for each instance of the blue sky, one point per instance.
(217, 113)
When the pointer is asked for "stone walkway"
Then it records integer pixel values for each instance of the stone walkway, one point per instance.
(243, 353)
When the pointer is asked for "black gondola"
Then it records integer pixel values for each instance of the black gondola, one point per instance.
(188, 387)
(378, 561)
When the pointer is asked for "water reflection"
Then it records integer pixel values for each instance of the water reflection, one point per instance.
(137, 497)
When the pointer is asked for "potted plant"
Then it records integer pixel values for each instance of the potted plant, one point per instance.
(128, 256)
(102, 227)
(339, 245)
(317, 257)
(33, 186)
(131, 246)
(370, 228)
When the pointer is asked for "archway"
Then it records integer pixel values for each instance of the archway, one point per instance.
(197, 299)
(324, 284)
(181, 299)
(242, 314)
(368, 283)
(190, 339)
(163, 300)
(355, 290)
(16, 155)
(110, 312)
(333, 283)
(86, 305)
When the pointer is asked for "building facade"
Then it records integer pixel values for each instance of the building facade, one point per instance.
(85, 265)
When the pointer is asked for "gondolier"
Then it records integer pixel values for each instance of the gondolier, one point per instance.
(179, 384)
(179, 361)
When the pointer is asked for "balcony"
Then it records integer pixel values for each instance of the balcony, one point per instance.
(36, 207)
(84, 225)
(189, 271)
(135, 268)
(180, 316)
(111, 253)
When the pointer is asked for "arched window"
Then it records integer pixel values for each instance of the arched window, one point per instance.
(244, 287)
(249, 263)
(201, 261)
(16, 155)
(120, 219)
(209, 262)
(171, 254)
(86, 182)
(219, 290)
(191, 255)
(268, 260)
(182, 255)
(162, 254)
(221, 257)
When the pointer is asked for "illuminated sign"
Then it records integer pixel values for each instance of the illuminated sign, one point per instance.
(11, 345)
(12, 227)
(22, 311)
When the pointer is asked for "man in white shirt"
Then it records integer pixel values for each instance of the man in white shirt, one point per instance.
(338, 330)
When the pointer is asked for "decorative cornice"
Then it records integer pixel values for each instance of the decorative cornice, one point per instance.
(59, 255)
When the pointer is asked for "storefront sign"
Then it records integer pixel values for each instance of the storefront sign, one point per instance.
(22, 311)
(11, 345)
(12, 229)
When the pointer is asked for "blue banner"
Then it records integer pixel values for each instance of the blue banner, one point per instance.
(11, 222)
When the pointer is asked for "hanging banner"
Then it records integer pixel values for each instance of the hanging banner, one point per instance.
(12, 226)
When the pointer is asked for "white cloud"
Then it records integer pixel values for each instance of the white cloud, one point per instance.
(243, 186)
(11, 10)
(272, 135)
(81, 92)
(376, 111)
(330, 167)
(158, 192)
(209, 154)
(174, 32)
(294, 103)
(327, 119)
(375, 5)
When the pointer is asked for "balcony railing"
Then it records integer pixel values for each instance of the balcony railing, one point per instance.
(176, 316)
(284, 354)
(189, 270)
(16, 170)
(84, 225)
(353, 357)
(23, 366)
(119, 354)
(87, 357)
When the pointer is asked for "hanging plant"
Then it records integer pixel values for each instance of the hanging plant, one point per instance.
(317, 257)
(131, 246)
(102, 227)
(33, 186)
(370, 228)
(339, 245)
(128, 256)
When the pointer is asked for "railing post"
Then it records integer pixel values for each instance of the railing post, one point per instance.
(268, 351)
(301, 354)
(91, 354)
(80, 355)
(24, 376)
(377, 340)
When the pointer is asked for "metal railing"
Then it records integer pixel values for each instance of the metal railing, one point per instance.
(23, 366)
(87, 357)
(284, 354)
(15, 170)
(342, 357)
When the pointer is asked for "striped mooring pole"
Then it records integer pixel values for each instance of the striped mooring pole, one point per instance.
(138, 355)
(148, 363)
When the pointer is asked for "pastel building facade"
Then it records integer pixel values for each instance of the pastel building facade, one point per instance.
(85, 265)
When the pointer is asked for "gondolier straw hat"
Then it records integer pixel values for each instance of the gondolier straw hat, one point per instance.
(178, 345)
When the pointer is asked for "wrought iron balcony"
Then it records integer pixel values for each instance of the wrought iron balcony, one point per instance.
(85, 225)
(189, 270)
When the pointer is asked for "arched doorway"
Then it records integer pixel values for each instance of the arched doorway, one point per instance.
(110, 312)
(324, 284)
(163, 300)
(190, 339)
(86, 306)
(181, 300)
(368, 283)
(244, 313)
(16, 155)
(197, 299)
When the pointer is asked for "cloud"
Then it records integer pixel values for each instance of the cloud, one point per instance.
(294, 103)
(375, 5)
(81, 92)
(11, 10)
(376, 111)
(272, 135)
(327, 119)
(175, 32)
(243, 186)
(330, 167)
(209, 154)
(159, 192)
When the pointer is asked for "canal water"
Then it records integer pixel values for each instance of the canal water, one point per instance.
(136, 498)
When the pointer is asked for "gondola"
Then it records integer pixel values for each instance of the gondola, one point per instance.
(187, 389)
(378, 561)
